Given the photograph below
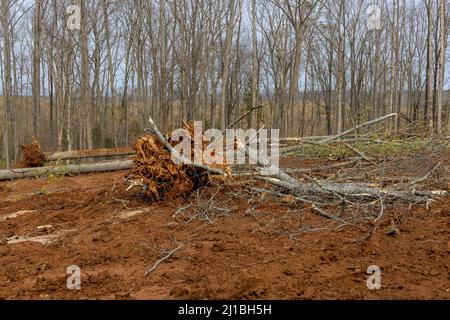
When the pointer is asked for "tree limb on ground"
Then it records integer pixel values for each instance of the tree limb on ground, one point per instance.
(66, 169)
(82, 154)
(167, 256)
(365, 124)
(355, 190)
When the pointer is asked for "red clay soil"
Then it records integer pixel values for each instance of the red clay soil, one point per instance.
(245, 253)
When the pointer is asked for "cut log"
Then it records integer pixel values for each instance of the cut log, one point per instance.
(82, 154)
(67, 169)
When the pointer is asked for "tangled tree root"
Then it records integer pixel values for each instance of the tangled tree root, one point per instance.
(32, 155)
(159, 176)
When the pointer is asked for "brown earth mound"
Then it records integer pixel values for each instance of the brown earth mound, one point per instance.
(32, 155)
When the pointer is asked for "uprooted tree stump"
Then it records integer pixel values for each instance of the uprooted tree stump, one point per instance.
(32, 155)
(159, 176)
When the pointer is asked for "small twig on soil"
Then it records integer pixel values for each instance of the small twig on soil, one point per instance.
(181, 210)
(362, 155)
(325, 214)
(381, 211)
(300, 199)
(293, 236)
(122, 201)
(167, 256)
(245, 174)
(425, 177)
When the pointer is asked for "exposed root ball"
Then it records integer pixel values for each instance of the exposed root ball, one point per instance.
(32, 155)
(161, 178)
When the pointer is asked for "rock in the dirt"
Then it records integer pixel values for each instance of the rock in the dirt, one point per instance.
(393, 230)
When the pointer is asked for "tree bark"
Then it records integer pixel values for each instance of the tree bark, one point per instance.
(85, 100)
(442, 35)
(7, 82)
(226, 62)
(36, 88)
(254, 63)
(94, 153)
(429, 78)
(63, 170)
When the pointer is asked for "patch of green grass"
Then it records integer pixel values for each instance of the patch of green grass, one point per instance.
(56, 173)
(380, 147)
(7, 187)
(43, 190)
(17, 198)
(62, 171)
(323, 151)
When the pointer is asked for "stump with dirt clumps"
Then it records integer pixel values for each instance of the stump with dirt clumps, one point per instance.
(32, 155)
(159, 176)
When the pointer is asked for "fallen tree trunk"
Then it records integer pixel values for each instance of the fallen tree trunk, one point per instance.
(368, 123)
(82, 154)
(355, 190)
(300, 139)
(66, 169)
(328, 139)
(323, 188)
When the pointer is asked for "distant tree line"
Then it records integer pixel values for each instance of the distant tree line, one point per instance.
(316, 67)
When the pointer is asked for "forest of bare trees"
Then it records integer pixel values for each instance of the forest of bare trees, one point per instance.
(307, 67)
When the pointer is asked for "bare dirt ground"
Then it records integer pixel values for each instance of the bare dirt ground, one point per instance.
(236, 246)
